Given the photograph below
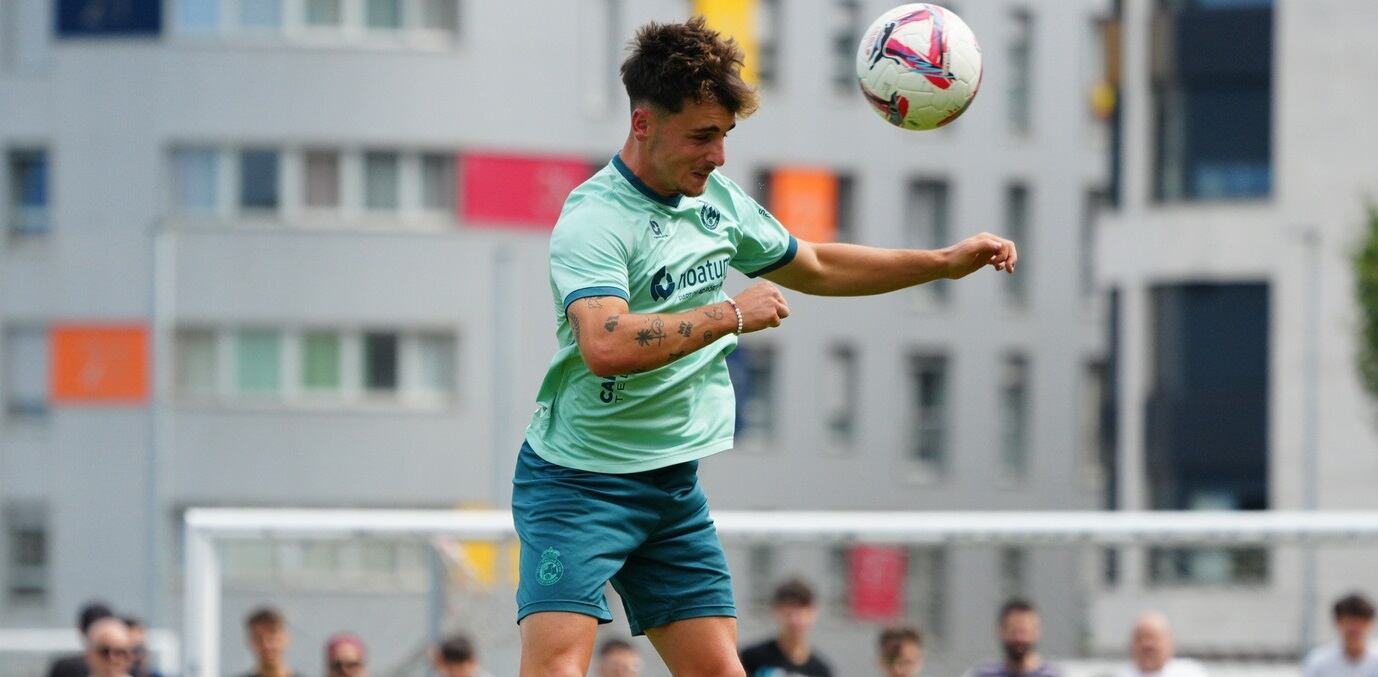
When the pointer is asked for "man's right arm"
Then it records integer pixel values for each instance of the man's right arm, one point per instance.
(613, 340)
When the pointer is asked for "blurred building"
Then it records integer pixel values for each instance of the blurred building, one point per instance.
(1232, 315)
(292, 253)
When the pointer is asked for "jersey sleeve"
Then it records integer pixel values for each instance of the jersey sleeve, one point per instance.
(588, 257)
(763, 245)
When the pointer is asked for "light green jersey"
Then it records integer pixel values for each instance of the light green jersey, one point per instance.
(617, 237)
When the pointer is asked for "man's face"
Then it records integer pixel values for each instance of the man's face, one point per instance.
(620, 663)
(108, 649)
(683, 148)
(1354, 630)
(907, 663)
(346, 660)
(1151, 647)
(1019, 634)
(268, 642)
(457, 668)
(794, 618)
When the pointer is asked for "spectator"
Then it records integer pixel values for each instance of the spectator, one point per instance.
(267, 634)
(455, 657)
(618, 658)
(1353, 656)
(1019, 633)
(901, 652)
(138, 648)
(345, 656)
(107, 648)
(1151, 648)
(75, 665)
(795, 614)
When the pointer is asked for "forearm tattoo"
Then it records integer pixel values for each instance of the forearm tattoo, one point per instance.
(574, 326)
(686, 329)
(714, 313)
(594, 303)
(611, 324)
(654, 332)
(707, 336)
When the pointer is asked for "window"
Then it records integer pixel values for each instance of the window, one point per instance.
(28, 192)
(27, 544)
(25, 384)
(260, 14)
(1014, 418)
(197, 16)
(380, 361)
(1089, 452)
(104, 18)
(320, 361)
(752, 369)
(384, 14)
(1013, 572)
(928, 424)
(436, 362)
(438, 183)
(844, 28)
(196, 179)
(322, 179)
(1021, 72)
(196, 362)
(928, 227)
(926, 589)
(323, 13)
(1093, 203)
(381, 179)
(258, 179)
(440, 15)
(839, 396)
(1017, 228)
(259, 361)
(768, 36)
(1212, 101)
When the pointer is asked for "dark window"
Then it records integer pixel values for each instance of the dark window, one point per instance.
(380, 361)
(258, 177)
(76, 18)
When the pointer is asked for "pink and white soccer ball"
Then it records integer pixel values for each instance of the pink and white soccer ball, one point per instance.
(919, 66)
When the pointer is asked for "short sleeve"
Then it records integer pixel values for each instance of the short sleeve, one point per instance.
(764, 244)
(588, 257)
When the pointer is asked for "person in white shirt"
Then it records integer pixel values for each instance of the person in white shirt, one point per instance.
(1353, 655)
(1152, 650)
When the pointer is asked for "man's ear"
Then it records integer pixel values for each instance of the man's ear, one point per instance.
(642, 121)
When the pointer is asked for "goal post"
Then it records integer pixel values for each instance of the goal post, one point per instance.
(206, 528)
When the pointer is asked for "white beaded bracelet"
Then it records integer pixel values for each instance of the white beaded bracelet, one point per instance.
(738, 310)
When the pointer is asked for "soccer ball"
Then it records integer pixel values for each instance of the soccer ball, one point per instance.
(919, 66)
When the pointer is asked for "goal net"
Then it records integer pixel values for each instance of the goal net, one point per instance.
(1246, 592)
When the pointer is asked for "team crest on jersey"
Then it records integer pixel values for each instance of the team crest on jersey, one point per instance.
(710, 216)
(658, 230)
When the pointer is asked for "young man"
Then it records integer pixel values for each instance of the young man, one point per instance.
(456, 657)
(75, 665)
(901, 652)
(638, 391)
(108, 648)
(1353, 655)
(1152, 650)
(1020, 629)
(266, 631)
(618, 658)
(790, 652)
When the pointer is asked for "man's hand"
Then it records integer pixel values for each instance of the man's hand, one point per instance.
(978, 251)
(762, 306)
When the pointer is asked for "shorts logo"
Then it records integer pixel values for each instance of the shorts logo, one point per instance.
(710, 216)
(551, 570)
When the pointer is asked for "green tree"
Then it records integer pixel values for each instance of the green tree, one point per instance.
(1366, 276)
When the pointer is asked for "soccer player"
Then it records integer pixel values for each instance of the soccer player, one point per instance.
(605, 486)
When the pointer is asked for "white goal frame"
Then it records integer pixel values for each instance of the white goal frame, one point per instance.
(205, 527)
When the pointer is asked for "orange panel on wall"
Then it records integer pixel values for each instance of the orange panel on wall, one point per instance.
(805, 200)
(99, 364)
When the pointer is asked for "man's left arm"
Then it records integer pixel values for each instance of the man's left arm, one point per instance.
(837, 269)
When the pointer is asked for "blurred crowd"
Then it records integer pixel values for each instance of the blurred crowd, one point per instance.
(114, 647)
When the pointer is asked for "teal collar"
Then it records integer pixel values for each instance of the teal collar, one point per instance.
(626, 172)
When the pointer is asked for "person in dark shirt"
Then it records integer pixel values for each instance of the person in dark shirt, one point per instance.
(1019, 632)
(75, 665)
(139, 665)
(789, 653)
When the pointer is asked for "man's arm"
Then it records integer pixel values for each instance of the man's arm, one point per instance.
(613, 340)
(836, 269)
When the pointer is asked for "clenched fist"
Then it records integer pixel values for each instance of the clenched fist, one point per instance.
(762, 306)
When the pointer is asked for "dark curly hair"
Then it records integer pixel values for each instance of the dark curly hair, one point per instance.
(673, 62)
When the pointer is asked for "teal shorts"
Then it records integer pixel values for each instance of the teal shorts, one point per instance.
(648, 533)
